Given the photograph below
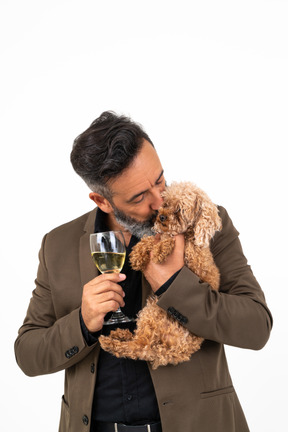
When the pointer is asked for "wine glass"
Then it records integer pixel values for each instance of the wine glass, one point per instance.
(108, 252)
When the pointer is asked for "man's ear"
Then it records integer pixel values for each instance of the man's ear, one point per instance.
(101, 202)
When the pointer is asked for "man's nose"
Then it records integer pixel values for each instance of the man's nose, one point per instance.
(157, 200)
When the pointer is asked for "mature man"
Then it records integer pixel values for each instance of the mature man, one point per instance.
(118, 161)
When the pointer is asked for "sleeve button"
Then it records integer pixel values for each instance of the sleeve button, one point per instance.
(71, 352)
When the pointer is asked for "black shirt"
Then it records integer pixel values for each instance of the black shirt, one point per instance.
(124, 391)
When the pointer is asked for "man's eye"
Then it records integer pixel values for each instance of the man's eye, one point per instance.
(139, 199)
(160, 180)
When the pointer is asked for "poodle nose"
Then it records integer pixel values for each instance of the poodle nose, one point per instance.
(162, 218)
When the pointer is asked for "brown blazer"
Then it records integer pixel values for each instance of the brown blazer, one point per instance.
(194, 396)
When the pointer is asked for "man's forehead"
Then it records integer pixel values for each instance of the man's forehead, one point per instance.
(130, 185)
(141, 175)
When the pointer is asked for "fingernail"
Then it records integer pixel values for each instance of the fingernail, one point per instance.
(122, 276)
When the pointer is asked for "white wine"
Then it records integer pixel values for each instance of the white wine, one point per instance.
(108, 253)
(109, 262)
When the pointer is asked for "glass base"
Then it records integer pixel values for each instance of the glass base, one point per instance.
(118, 318)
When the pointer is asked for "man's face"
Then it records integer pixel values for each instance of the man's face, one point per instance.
(137, 192)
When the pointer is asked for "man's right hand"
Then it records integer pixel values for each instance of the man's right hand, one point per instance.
(101, 295)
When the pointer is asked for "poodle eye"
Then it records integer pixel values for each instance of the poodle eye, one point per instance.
(177, 210)
(162, 218)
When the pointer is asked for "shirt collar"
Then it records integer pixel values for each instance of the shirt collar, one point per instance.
(100, 221)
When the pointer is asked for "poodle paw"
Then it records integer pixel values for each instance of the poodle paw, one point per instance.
(162, 250)
(140, 255)
(139, 263)
(114, 345)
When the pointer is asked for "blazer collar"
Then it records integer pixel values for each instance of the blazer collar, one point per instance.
(88, 270)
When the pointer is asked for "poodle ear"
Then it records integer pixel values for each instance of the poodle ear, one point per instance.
(189, 209)
(207, 223)
(177, 209)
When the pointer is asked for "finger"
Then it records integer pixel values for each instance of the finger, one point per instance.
(114, 277)
(110, 296)
(102, 287)
(108, 286)
(157, 237)
(180, 240)
(104, 308)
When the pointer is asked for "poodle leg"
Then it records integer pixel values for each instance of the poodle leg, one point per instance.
(140, 345)
(121, 343)
(162, 249)
(140, 255)
(158, 338)
(201, 262)
(170, 342)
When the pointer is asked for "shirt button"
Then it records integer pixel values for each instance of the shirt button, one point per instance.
(85, 420)
(129, 397)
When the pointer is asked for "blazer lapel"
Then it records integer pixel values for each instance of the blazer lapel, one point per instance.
(146, 290)
(88, 270)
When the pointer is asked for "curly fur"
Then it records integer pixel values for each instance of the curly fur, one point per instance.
(159, 338)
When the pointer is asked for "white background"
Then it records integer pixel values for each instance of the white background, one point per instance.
(208, 81)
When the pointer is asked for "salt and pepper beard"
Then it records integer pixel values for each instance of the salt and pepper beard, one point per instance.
(135, 227)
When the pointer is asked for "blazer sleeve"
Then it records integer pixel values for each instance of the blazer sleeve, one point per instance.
(46, 344)
(237, 315)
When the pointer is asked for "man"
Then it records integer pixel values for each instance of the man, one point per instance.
(118, 161)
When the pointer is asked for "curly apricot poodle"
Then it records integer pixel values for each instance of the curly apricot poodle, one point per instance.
(159, 338)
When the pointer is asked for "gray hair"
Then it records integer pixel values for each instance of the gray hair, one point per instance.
(106, 149)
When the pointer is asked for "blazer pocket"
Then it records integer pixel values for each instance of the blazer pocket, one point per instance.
(64, 417)
(219, 411)
(65, 405)
(218, 392)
